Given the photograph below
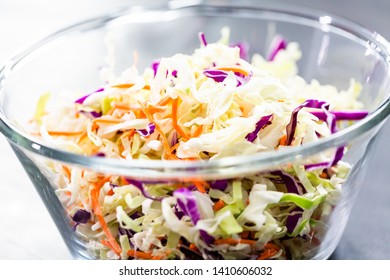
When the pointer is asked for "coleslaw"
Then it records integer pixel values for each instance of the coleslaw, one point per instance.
(211, 104)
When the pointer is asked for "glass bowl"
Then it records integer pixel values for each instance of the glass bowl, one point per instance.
(334, 51)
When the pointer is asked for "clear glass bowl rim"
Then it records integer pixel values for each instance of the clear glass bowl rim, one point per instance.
(218, 168)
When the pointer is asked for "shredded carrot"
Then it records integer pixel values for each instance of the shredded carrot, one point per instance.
(109, 245)
(219, 205)
(271, 246)
(124, 86)
(323, 175)
(65, 133)
(68, 193)
(283, 140)
(159, 130)
(177, 127)
(156, 109)
(234, 69)
(107, 120)
(245, 234)
(174, 147)
(267, 254)
(98, 213)
(82, 137)
(67, 172)
(110, 192)
(198, 131)
(232, 241)
(193, 247)
(200, 185)
(139, 254)
(164, 101)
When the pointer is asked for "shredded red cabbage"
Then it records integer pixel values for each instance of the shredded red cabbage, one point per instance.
(259, 125)
(277, 44)
(91, 115)
(206, 237)
(202, 39)
(313, 166)
(81, 216)
(187, 204)
(310, 103)
(292, 220)
(100, 154)
(155, 64)
(220, 75)
(219, 184)
(139, 185)
(82, 99)
(338, 156)
(147, 131)
(288, 180)
(217, 75)
(244, 49)
(128, 232)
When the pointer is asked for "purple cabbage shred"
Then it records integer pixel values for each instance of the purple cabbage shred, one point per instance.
(202, 39)
(277, 44)
(140, 185)
(81, 216)
(219, 184)
(147, 131)
(292, 220)
(259, 125)
(244, 49)
(288, 180)
(82, 99)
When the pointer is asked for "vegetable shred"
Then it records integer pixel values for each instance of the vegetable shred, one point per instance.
(208, 105)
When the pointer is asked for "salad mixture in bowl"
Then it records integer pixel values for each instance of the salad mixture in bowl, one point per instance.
(210, 104)
(246, 142)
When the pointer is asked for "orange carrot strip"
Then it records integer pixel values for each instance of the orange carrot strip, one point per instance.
(126, 86)
(283, 140)
(174, 147)
(107, 244)
(198, 131)
(176, 126)
(159, 130)
(139, 254)
(123, 86)
(67, 172)
(199, 186)
(271, 246)
(267, 254)
(232, 241)
(164, 101)
(156, 109)
(105, 120)
(219, 205)
(65, 133)
(82, 137)
(193, 247)
(234, 69)
(323, 175)
(98, 213)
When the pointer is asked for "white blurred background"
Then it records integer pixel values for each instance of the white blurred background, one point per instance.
(26, 229)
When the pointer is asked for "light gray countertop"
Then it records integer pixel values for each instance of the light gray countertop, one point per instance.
(27, 231)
